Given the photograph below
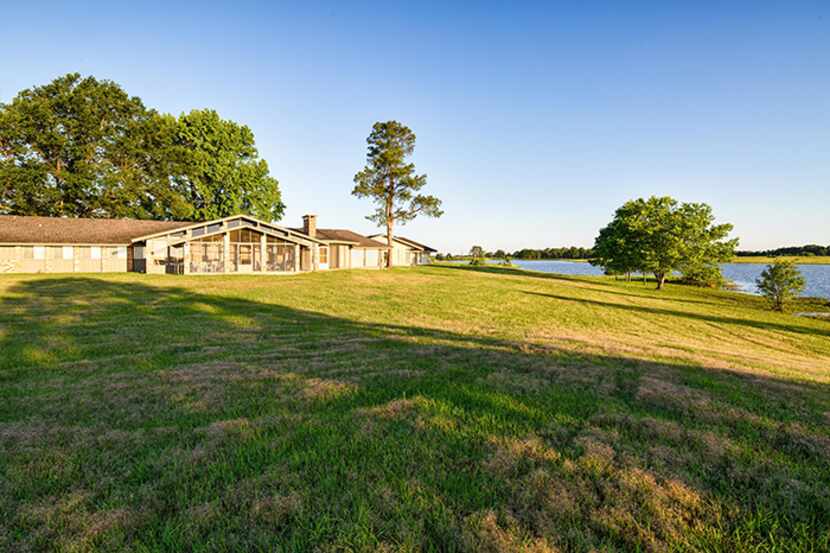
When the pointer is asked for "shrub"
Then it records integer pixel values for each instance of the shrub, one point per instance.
(706, 276)
(780, 282)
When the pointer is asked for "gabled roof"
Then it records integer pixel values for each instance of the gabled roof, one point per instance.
(232, 222)
(406, 242)
(345, 236)
(20, 229)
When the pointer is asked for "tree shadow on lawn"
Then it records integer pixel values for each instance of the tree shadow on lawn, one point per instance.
(523, 272)
(600, 285)
(779, 327)
(148, 416)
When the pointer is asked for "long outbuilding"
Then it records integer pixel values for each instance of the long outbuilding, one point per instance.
(236, 244)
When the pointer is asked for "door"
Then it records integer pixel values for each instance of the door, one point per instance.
(323, 263)
(245, 263)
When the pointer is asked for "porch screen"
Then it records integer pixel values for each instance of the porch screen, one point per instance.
(207, 255)
(246, 251)
(279, 257)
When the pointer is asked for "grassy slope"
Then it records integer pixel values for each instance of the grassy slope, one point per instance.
(434, 408)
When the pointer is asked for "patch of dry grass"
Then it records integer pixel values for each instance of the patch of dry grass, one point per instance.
(429, 409)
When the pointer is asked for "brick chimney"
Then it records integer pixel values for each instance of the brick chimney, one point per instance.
(310, 225)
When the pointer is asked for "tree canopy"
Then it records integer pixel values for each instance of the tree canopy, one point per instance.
(779, 283)
(222, 174)
(391, 182)
(83, 147)
(661, 236)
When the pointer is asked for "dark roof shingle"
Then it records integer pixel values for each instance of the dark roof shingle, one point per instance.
(344, 235)
(19, 229)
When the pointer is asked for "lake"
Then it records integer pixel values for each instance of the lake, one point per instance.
(742, 274)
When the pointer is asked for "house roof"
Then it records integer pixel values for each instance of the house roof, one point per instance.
(239, 221)
(19, 229)
(418, 244)
(344, 235)
(407, 242)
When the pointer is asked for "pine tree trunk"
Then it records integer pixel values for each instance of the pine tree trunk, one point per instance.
(389, 224)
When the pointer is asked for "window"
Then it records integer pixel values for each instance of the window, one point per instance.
(244, 255)
(68, 252)
(95, 252)
(324, 255)
(245, 236)
(39, 252)
(138, 252)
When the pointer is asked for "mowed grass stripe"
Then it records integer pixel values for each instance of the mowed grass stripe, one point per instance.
(439, 408)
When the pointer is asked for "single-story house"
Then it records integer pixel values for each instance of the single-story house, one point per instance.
(236, 244)
(406, 252)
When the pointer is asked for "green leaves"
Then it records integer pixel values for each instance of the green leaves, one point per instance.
(221, 173)
(390, 181)
(81, 147)
(661, 236)
(779, 283)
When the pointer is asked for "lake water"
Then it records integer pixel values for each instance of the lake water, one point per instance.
(742, 274)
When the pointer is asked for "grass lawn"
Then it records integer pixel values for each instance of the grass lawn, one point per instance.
(439, 408)
(799, 259)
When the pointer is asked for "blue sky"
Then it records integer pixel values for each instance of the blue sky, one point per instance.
(534, 121)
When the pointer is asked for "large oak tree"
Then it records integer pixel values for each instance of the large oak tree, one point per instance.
(391, 182)
(660, 235)
(82, 147)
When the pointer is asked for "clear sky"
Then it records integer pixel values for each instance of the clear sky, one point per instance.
(534, 121)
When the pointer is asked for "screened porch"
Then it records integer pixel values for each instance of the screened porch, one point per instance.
(239, 251)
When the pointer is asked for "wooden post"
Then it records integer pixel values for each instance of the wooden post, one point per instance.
(263, 242)
(315, 257)
(296, 258)
(186, 259)
(226, 252)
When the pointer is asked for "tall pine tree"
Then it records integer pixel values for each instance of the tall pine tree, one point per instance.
(391, 182)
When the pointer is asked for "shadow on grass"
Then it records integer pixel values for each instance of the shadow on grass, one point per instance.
(522, 272)
(605, 287)
(792, 327)
(156, 417)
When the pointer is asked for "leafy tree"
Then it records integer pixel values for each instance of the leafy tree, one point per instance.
(81, 147)
(221, 172)
(66, 149)
(619, 247)
(499, 254)
(779, 283)
(477, 252)
(661, 236)
(391, 182)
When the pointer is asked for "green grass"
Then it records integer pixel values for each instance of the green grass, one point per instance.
(799, 259)
(433, 409)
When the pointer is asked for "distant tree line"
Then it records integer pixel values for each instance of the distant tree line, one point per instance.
(569, 252)
(808, 251)
(82, 147)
